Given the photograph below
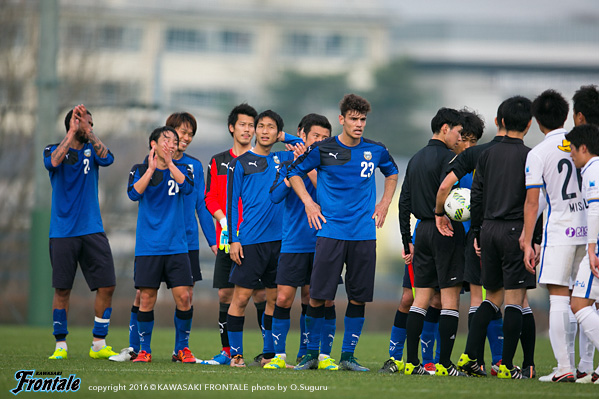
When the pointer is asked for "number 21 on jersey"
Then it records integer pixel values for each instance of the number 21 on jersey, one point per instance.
(173, 187)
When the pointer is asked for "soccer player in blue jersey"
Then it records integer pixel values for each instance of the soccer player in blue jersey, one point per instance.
(346, 215)
(297, 251)
(161, 251)
(76, 229)
(255, 249)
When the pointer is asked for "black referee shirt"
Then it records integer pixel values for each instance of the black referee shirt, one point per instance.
(465, 162)
(498, 188)
(423, 177)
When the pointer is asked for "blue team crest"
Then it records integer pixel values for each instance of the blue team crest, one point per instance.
(592, 183)
(367, 155)
(276, 159)
(87, 153)
(527, 169)
(190, 167)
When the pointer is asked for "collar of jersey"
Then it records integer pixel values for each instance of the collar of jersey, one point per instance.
(344, 146)
(592, 160)
(555, 132)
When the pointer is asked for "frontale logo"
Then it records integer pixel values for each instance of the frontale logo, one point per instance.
(576, 232)
(27, 382)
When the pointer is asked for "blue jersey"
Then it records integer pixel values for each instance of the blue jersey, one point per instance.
(194, 202)
(466, 182)
(346, 185)
(161, 212)
(250, 175)
(298, 237)
(75, 207)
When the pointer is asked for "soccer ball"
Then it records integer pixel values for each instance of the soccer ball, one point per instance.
(457, 204)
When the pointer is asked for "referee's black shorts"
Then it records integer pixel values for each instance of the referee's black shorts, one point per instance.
(438, 260)
(502, 259)
(472, 265)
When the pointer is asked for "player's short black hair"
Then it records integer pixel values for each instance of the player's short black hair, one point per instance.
(272, 115)
(241, 109)
(474, 125)
(67, 118)
(448, 116)
(550, 109)
(499, 115)
(517, 113)
(353, 102)
(314, 120)
(155, 135)
(587, 134)
(586, 101)
(180, 118)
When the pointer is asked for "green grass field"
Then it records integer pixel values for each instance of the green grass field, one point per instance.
(28, 348)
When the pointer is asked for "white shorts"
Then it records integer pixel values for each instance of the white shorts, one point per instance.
(586, 285)
(559, 264)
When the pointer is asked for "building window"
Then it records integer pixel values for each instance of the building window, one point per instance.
(202, 98)
(106, 37)
(186, 40)
(235, 41)
(323, 44)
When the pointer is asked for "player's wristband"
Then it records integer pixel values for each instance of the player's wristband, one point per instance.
(440, 214)
(223, 223)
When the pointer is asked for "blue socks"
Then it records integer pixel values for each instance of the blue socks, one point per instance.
(314, 323)
(235, 332)
(145, 325)
(495, 337)
(100, 329)
(133, 330)
(183, 319)
(59, 317)
(328, 330)
(280, 328)
(303, 349)
(398, 335)
(354, 321)
(268, 348)
(430, 330)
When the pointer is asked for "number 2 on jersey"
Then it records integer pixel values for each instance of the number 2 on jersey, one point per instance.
(367, 169)
(173, 187)
(85, 166)
(560, 166)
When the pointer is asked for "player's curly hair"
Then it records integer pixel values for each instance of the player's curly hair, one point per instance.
(353, 102)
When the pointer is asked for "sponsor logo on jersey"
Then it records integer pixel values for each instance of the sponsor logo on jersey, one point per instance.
(592, 183)
(367, 155)
(527, 169)
(190, 167)
(276, 159)
(87, 153)
(334, 155)
(576, 231)
(255, 163)
(565, 147)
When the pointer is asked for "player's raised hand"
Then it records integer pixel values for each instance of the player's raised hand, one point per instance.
(152, 159)
(444, 225)
(299, 150)
(314, 215)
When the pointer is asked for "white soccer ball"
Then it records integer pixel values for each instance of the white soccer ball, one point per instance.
(457, 204)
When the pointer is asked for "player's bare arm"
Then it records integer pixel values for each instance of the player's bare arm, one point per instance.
(63, 148)
(381, 209)
(168, 159)
(141, 185)
(443, 223)
(593, 260)
(87, 128)
(312, 208)
(531, 206)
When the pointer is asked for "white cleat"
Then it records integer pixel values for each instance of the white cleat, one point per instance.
(125, 355)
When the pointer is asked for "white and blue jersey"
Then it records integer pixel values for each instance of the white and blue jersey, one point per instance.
(161, 212)
(346, 185)
(249, 178)
(298, 237)
(75, 206)
(194, 202)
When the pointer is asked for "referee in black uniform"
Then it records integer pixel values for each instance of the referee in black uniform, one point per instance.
(438, 261)
(497, 207)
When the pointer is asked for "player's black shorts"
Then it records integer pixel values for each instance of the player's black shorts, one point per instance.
(258, 266)
(472, 262)
(222, 270)
(359, 258)
(194, 259)
(502, 259)
(151, 270)
(92, 251)
(438, 260)
(295, 269)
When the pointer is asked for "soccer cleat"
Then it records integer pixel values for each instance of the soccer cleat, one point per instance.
(392, 366)
(258, 361)
(325, 362)
(548, 377)
(59, 353)
(566, 377)
(276, 363)
(125, 355)
(221, 359)
(308, 362)
(529, 372)
(495, 368)
(514, 374)
(352, 364)
(184, 356)
(470, 366)
(143, 357)
(431, 368)
(103, 353)
(580, 374)
(299, 359)
(237, 361)
(410, 369)
(450, 371)
(589, 379)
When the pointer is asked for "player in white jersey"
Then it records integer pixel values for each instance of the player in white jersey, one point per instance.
(584, 141)
(549, 168)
